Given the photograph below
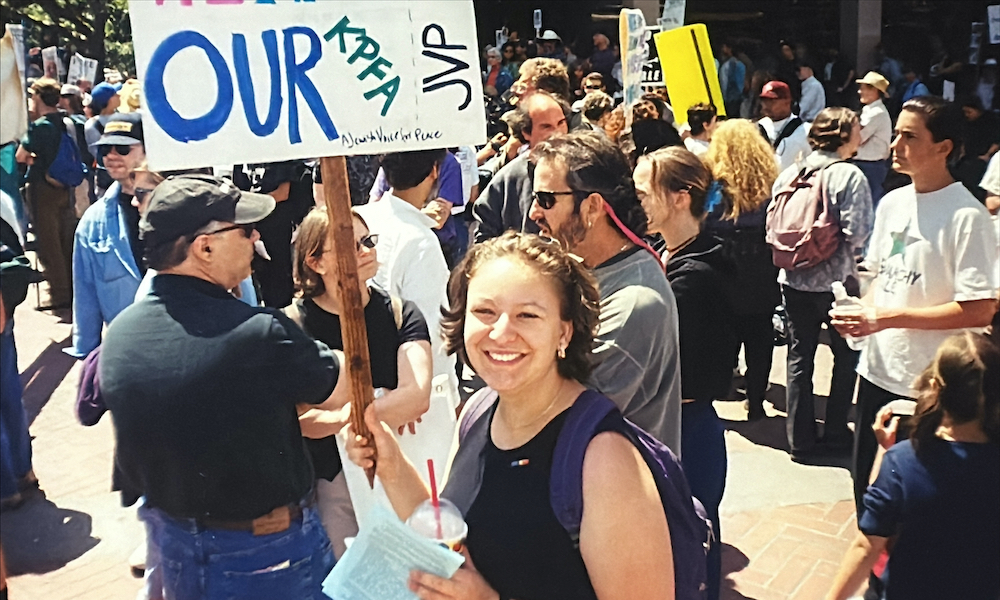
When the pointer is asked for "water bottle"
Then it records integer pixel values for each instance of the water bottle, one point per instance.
(847, 305)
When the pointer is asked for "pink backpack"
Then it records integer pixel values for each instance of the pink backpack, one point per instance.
(802, 227)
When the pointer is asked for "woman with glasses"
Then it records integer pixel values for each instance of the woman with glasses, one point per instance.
(676, 190)
(523, 314)
(400, 351)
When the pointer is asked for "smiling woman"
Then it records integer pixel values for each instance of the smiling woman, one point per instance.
(524, 313)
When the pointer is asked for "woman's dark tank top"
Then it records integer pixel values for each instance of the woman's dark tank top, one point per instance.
(514, 538)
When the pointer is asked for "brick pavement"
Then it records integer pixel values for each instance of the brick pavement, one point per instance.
(785, 526)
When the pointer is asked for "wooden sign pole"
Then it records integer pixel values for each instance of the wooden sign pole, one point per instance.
(352, 314)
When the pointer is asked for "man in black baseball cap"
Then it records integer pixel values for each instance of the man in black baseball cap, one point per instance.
(204, 226)
(204, 390)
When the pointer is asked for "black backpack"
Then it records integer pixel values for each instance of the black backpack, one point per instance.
(786, 131)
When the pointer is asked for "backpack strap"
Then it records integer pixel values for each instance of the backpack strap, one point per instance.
(566, 477)
(475, 407)
(465, 469)
(786, 131)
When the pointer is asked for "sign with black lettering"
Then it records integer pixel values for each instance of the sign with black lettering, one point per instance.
(252, 81)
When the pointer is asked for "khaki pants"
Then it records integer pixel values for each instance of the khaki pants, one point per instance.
(54, 223)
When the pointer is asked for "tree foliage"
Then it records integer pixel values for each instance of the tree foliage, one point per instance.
(95, 28)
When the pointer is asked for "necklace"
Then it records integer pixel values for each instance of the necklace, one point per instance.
(681, 245)
(539, 416)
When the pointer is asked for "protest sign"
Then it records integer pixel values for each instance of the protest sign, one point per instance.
(632, 35)
(81, 67)
(652, 74)
(13, 110)
(993, 16)
(673, 14)
(17, 38)
(241, 82)
(50, 62)
(689, 69)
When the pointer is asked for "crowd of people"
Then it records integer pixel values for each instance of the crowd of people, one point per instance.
(588, 247)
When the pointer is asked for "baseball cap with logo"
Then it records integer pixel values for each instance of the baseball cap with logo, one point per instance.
(776, 90)
(875, 80)
(183, 204)
(122, 128)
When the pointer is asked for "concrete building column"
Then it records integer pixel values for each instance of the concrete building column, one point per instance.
(860, 31)
(650, 9)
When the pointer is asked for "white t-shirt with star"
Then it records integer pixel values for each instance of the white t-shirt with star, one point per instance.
(926, 250)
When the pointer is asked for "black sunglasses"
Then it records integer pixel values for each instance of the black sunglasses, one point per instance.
(368, 241)
(121, 149)
(591, 87)
(142, 193)
(547, 200)
(247, 229)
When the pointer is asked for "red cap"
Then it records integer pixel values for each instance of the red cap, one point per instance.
(777, 90)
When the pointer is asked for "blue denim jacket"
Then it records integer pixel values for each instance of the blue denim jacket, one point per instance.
(105, 276)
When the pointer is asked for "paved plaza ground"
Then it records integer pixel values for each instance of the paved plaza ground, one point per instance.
(785, 526)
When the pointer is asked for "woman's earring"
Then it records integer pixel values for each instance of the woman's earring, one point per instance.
(561, 353)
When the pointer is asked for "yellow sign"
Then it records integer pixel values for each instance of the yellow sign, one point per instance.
(689, 69)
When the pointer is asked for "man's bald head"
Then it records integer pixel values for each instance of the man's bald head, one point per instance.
(546, 117)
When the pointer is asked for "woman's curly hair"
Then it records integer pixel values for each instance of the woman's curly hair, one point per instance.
(741, 159)
(577, 289)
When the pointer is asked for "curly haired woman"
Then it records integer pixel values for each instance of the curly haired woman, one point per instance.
(743, 163)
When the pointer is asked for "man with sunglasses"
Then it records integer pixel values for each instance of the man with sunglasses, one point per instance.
(585, 199)
(205, 393)
(107, 251)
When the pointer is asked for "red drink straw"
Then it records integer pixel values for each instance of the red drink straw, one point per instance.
(434, 497)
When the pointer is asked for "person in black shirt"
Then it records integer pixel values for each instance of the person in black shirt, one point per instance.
(673, 185)
(982, 141)
(204, 392)
(274, 276)
(398, 345)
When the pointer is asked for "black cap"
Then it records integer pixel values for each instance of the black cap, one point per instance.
(183, 204)
(122, 128)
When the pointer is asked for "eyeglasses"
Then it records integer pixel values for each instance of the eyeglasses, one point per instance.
(121, 149)
(246, 228)
(591, 87)
(368, 241)
(142, 193)
(547, 200)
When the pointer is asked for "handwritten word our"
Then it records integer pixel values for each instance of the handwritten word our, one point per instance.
(379, 135)
(296, 77)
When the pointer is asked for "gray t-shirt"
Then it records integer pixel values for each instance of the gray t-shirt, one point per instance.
(637, 353)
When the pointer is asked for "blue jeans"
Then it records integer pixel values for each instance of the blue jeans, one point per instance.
(703, 455)
(213, 564)
(15, 442)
